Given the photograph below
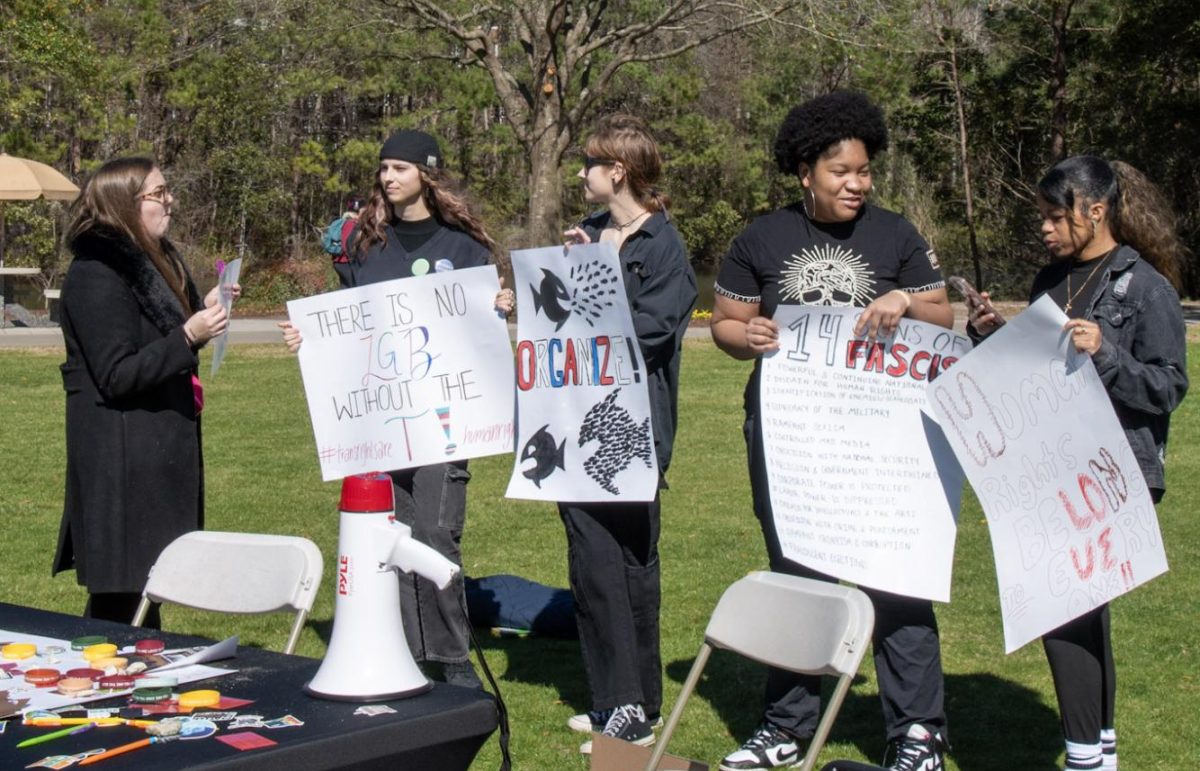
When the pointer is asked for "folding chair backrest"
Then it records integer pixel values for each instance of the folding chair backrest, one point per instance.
(793, 623)
(237, 573)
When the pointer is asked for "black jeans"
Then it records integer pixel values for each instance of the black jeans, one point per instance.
(432, 500)
(906, 647)
(612, 561)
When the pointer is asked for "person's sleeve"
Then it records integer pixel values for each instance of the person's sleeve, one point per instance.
(1151, 376)
(106, 320)
(664, 300)
(738, 278)
(919, 270)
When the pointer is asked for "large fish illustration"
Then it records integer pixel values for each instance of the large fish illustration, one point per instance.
(542, 450)
(622, 440)
(552, 299)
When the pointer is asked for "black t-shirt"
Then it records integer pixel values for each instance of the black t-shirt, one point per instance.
(784, 257)
(1077, 283)
(441, 248)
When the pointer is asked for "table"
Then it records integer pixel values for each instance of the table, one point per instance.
(442, 729)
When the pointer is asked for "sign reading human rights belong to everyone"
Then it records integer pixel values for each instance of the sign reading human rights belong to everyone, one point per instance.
(1069, 513)
(584, 431)
(407, 372)
(863, 486)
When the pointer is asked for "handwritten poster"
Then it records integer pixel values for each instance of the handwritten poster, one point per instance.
(406, 373)
(1069, 513)
(862, 485)
(584, 430)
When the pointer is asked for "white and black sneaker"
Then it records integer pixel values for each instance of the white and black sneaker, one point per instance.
(919, 750)
(627, 723)
(768, 748)
(592, 722)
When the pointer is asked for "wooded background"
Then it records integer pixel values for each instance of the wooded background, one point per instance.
(264, 114)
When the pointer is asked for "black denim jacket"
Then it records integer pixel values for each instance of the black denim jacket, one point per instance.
(1142, 359)
(661, 289)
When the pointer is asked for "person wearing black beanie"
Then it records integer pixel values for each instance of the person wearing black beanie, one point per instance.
(414, 222)
(833, 247)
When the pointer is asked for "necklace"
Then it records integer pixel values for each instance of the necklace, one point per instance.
(1072, 295)
(620, 228)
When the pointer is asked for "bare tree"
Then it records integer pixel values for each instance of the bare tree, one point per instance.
(552, 61)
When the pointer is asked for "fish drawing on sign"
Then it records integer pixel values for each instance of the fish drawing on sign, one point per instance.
(621, 441)
(552, 299)
(595, 285)
(545, 455)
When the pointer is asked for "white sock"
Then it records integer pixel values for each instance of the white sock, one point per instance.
(1108, 745)
(1083, 756)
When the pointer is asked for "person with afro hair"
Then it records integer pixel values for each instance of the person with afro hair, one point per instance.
(835, 248)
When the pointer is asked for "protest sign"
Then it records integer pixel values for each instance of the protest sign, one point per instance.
(407, 372)
(1069, 513)
(862, 485)
(584, 431)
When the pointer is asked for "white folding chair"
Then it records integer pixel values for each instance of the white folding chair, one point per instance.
(236, 573)
(792, 623)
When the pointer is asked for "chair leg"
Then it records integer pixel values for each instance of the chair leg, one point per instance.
(826, 724)
(140, 614)
(689, 685)
(297, 628)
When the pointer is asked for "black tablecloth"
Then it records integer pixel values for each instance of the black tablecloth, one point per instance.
(441, 729)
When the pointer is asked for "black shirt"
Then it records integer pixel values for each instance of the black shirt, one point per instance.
(414, 249)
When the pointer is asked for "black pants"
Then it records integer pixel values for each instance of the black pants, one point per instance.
(905, 642)
(432, 500)
(1085, 675)
(612, 561)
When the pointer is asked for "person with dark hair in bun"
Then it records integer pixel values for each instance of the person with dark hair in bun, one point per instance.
(1116, 272)
(414, 222)
(834, 248)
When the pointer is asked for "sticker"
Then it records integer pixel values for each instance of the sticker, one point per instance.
(197, 729)
(247, 721)
(420, 267)
(287, 721)
(219, 717)
(371, 710)
(246, 740)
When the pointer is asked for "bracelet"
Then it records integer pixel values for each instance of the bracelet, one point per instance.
(907, 297)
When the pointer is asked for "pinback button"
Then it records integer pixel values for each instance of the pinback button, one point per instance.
(18, 650)
(42, 678)
(79, 643)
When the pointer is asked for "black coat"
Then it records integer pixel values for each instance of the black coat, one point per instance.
(134, 478)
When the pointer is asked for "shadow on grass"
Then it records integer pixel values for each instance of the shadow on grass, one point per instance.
(540, 661)
(994, 724)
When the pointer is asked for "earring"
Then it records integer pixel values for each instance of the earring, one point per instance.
(804, 203)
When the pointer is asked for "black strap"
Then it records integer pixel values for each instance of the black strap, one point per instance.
(501, 707)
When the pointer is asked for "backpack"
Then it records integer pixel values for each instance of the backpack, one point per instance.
(331, 239)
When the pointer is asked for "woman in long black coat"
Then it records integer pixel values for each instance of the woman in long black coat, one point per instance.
(132, 322)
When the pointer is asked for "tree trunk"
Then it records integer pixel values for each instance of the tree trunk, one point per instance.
(964, 155)
(1058, 82)
(545, 183)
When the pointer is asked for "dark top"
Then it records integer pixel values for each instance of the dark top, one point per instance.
(1142, 359)
(786, 258)
(661, 290)
(1078, 285)
(414, 249)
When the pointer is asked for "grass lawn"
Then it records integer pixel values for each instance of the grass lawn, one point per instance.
(262, 476)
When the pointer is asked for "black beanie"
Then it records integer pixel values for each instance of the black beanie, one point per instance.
(414, 147)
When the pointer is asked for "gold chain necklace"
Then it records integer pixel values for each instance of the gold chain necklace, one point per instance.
(1072, 295)
(621, 228)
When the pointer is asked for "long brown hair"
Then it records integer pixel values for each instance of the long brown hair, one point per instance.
(625, 138)
(444, 198)
(110, 200)
(1137, 211)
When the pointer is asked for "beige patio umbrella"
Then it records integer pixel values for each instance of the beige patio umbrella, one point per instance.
(24, 180)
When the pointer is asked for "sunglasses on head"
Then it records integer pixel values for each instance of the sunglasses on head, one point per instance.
(589, 162)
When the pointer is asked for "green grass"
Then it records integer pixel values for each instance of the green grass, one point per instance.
(262, 476)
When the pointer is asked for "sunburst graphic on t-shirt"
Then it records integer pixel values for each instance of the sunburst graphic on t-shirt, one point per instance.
(826, 275)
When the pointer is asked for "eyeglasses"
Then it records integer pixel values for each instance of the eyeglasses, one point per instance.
(159, 194)
(589, 162)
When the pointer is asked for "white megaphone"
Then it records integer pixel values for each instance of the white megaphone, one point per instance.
(368, 658)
